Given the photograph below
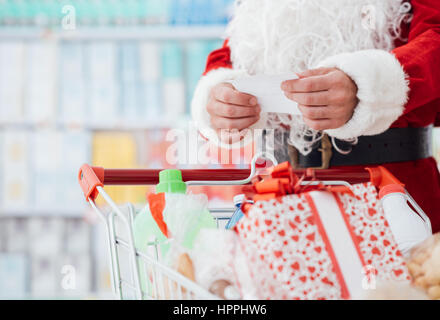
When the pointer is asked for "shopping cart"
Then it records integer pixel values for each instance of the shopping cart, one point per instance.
(165, 282)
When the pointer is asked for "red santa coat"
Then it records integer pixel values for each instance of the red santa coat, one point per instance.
(413, 101)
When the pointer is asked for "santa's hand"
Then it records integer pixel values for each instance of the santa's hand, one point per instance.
(326, 97)
(231, 111)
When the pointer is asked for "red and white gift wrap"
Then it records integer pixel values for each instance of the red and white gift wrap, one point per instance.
(320, 245)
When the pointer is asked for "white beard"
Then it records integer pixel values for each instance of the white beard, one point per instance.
(274, 36)
(278, 36)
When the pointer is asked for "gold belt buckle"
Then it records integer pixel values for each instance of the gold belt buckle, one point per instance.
(326, 154)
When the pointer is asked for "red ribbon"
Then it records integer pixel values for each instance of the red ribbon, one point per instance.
(283, 181)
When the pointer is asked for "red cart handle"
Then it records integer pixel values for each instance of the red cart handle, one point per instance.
(90, 178)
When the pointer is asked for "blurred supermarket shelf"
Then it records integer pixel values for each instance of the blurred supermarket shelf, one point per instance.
(98, 94)
(161, 33)
(146, 124)
(43, 212)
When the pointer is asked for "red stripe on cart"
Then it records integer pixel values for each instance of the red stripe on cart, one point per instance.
(151, 177)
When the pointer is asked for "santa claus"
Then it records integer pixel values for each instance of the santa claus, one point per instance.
(369, 85)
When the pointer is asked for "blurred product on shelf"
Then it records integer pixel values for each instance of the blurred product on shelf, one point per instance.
(17, 231)
(112, 149)
(46, 145)
(78, 236)
(102, 82)
(72, 83)
(130, 81)
(156, 11)
(99, 84)
(116, 12)
(118, 150)
(44, 276)
(38, 168)
(16, 175)
(11, 80)
(43, 243)
(75, 147)
(39, 97)
(36, 255)
(13, 275)
(150, 73)
(173, 83)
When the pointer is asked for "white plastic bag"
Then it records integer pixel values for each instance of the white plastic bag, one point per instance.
(221, 266)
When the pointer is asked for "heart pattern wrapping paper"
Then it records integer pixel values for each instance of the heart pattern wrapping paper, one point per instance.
(290, 258)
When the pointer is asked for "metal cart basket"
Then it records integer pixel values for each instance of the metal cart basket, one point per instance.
(165, 282)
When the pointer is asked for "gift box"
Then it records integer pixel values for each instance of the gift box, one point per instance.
(319, 242)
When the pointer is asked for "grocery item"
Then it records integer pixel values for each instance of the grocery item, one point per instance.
(395, 291)
(318, 243)
(224, 289)
(180, 215)
(238, 214)
(424, 266)
(220, 265)
(147, 233)
(408, 228)
(170, 222)
(185, 266)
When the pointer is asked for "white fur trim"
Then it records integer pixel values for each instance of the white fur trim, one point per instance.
(382, 91)
(200, 99)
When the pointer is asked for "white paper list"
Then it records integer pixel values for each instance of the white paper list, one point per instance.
(267, 89)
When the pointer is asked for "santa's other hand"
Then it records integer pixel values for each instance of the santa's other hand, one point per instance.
(326, 97)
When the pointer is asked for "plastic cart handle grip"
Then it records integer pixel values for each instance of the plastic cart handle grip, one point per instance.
(90, 178)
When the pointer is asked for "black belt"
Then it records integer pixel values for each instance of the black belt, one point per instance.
(394, 145)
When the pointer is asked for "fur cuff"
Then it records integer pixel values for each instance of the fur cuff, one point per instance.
(382, 91)
(200, 99)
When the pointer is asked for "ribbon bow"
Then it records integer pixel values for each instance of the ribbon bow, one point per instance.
(282, 181)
